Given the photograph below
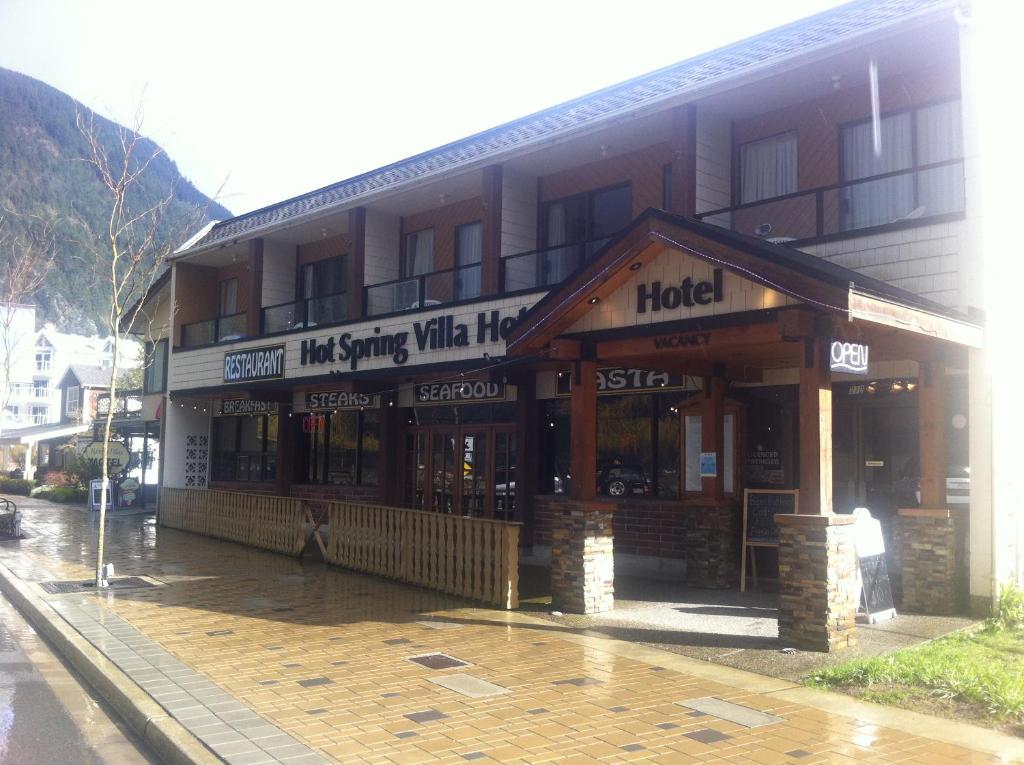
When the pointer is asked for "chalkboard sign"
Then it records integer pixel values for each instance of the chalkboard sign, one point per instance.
(760, 507)
(876, 595)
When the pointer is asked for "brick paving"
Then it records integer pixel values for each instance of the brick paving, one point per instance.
(322, 657)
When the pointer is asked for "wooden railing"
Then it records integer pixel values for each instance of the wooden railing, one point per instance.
(270, 523)
(472, 557)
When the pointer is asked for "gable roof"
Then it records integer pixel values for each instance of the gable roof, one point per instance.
(820, 284)
(87, 376)
(800, 38)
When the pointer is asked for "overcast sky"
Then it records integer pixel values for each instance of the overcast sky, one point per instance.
(269, 100)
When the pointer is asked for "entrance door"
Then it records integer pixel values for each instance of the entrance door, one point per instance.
(463, 470)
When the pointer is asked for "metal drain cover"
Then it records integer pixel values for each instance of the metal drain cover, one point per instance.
(118, 583)
(438, 661)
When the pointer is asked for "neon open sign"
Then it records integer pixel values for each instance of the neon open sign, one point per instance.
(849, 357)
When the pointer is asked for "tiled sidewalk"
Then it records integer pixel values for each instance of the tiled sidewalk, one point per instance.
(323, 657)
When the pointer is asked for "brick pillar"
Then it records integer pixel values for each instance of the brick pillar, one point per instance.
(817, 581)
(713, 546)
(932, 560)
(582, 563)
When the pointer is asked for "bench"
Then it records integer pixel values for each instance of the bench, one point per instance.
(10, 518)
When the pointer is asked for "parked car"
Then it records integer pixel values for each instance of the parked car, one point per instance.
(623, 481)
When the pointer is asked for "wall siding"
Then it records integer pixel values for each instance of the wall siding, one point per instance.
(714, 161)
(278, 273)
(518, 212)
(383, 234)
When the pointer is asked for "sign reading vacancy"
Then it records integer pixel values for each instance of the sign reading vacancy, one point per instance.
(455, 392)
(254, 364)
(320, 401)
(849, 357)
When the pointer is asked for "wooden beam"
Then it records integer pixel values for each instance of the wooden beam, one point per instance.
(815, 428)
(696, 342)
(563, 349)
(490, 261)
(877, 311)
(254, 307)
(286, 447)
(713, 434)
(356, 261)
(684, 160)
(931, 416)
(583, 423)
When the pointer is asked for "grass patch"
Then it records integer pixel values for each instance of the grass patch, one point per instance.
(976, 675)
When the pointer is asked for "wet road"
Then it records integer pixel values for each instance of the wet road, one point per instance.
(47, 715)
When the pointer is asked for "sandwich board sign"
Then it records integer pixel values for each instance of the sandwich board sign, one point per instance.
(875, 592)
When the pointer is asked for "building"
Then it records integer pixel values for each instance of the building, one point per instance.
(610, 319)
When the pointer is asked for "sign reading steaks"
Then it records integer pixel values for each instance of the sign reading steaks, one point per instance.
(321, 401)
(254, 364)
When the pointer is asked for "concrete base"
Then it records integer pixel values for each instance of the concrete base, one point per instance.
(817, 582)
(582, 558)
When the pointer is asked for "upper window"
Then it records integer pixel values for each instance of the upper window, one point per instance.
(910, 167)
(469, 239)
(41, 388)
(576, 227)
(322, 285)
(419, 253)
(155, 378)
(71, 401)
(228, 297)
(768, 168)
(44, 359)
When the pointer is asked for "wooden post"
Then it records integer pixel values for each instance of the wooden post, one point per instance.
(285, 452)
(684, 160)
(815, 428)
(254, 309)
(583, 421)
(390, 457)
(931, 417)
(713, 434)
(526, 454)
(356, 261)
(490, 261)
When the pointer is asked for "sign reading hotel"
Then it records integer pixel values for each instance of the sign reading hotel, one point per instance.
(239, 407)
(849, 357)
(454, 392)
(436, 334)
(689, 293)
(322, 401)
(254, 364)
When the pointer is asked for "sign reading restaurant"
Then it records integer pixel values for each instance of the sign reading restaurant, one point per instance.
(254, 364)
(439, 333)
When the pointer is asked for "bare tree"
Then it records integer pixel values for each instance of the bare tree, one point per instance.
(28, 253)
(130, 253)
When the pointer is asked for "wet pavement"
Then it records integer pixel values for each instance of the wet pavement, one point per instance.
(359, 669)
(47, 714)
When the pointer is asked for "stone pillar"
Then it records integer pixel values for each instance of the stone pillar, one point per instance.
(817, 581)
(582, 558)
(930, 544)
(712, 546)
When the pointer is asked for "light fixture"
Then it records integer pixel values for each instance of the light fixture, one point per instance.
(872, 387)
(635, 266)
(897, 386)
(911, 385)
(594, 300)
(442, 197)
(604, 150)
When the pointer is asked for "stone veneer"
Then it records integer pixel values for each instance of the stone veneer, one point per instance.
(582, 558)
(817, 581)
(712, 546)
(930, 545)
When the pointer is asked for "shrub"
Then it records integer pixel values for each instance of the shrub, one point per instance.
(15, 486)
(73, 494)
(58, 478)
(1009, 611)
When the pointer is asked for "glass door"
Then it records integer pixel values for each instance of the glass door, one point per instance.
(504, 483)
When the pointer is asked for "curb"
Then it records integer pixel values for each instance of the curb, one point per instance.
(167, 737)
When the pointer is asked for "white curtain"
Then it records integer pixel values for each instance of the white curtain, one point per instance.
(470, 244)
(768, 168)
(875, 203)
(420, 252)
(557, 261)
(229, 297)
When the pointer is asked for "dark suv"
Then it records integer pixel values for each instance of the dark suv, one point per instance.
(623, 481)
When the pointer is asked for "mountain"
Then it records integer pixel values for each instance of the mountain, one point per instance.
(42, 174)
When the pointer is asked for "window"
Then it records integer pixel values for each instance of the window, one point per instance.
(71, 401)
(692, 442)
(323, 285)
(245, 448)
(44, 359)
(768, 168)
(155, 376)
(41, 388)
(228, 297)
(468, 253)
(578, 226)
(344, 453)
(419, 253)
(920, 161)
(38, 414)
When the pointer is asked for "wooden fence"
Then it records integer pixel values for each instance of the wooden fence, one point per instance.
(270, 523)
(472, 557)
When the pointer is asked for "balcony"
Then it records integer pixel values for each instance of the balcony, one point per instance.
(433, 289)
(210, 331)
(902, 198)
(127, 405)
(302, 314)
(539, 269)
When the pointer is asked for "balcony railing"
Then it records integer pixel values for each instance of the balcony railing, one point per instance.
(127, 404)
(893, 198)
(435, 288)
(309, 312)
(547, 267)
(212, 331)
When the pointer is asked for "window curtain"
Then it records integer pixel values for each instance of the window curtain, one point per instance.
(875, 203)
(419, 252)
(229, 297)
(556, 260)
(768, 168)
(468, 252)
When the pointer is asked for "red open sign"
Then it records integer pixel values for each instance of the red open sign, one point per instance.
(314, 423)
